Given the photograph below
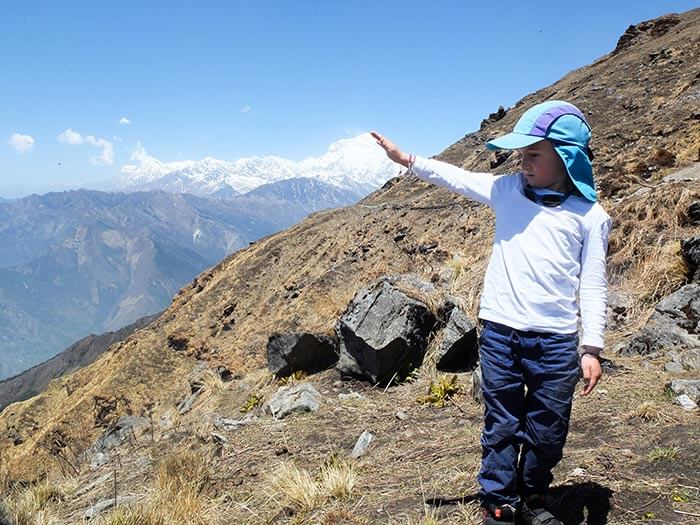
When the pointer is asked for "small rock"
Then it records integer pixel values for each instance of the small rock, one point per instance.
(686, 403)
(165, 422)
(401, 415)
(299, 398)
(352, 396)
(185, 405)
(673, 367)
(222, 423)
(218, 439)
(98, 459)
(602, 392)
(579, 472)
(103, 505)
(362, 444)
(689, 387)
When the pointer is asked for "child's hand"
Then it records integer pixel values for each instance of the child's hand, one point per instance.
(392, 150)
(590, 365)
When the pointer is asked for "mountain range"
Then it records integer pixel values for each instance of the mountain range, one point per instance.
(355, 165)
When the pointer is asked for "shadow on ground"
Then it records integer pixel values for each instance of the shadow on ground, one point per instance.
(573, 504)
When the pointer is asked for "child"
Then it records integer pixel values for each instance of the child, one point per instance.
(547, 267)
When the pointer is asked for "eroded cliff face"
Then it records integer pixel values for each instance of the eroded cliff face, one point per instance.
(642, 101)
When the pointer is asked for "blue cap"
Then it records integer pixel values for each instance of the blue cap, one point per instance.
(565, 126)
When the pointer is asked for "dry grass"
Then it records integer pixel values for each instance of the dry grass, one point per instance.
(296, 487)
(644, 259)
(338, 478)
(648, 411)
(470, 514)
(213, 382)
(663, 454)
(37, 504)
(178, 495)
(292, 486)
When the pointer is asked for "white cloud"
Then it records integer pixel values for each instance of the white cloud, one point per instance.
(125, 121)
(246, 109)
(74, 138)
(107, 154)
(21, 143)
(70, 137)
(139, 153)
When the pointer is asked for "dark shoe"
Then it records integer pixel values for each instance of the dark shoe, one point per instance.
(534, 513)
(494, 515)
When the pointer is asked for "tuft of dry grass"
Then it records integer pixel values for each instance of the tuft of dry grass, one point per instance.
(37, 504)
(648, 411)
(178, 495)
(338, 478)
(296, 486)
(213, 382)
(470, 514)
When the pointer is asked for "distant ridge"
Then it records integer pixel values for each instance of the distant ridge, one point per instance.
(79, 354)
(84, 261)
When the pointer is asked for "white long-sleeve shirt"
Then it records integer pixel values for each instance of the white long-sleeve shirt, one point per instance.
(542, 257)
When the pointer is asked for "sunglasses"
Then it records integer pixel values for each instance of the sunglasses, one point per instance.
(549, 200)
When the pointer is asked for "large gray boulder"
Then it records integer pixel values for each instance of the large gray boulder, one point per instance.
(458, 350)
(383, 333)
(293, 351)
(673, 326)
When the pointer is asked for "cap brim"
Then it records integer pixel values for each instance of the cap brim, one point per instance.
(513, 141)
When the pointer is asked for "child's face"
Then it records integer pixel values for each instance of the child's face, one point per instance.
(543, 168)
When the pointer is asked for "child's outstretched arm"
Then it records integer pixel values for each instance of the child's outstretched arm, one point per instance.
(477, 186)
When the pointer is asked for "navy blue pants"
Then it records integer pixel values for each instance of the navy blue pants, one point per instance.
(528, 382)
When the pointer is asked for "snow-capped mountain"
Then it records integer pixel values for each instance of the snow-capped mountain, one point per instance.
(357, 165)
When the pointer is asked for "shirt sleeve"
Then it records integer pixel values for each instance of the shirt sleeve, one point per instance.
(593, 284)
(478, 186)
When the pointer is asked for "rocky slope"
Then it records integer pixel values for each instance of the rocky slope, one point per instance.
(629, 439)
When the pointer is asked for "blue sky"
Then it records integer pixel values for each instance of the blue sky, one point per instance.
(231, 79)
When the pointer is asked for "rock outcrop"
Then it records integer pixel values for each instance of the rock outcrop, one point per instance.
(298, 351)
(383, 334)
